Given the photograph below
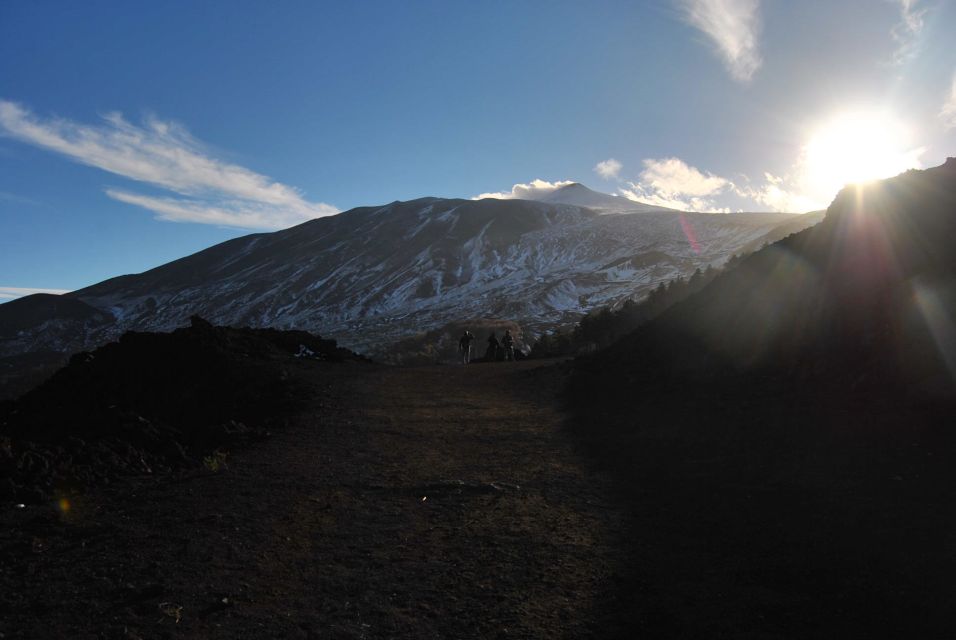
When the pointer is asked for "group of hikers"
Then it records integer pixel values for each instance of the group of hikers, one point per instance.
(503, 350)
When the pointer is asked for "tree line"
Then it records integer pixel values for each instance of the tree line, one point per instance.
(602, 327)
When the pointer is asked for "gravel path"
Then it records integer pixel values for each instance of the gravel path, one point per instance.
(437, 502)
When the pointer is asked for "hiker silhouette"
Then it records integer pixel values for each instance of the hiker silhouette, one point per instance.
(493, 346)
(464, 346)
(508, 342)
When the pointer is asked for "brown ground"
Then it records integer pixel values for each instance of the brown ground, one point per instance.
(437, 502)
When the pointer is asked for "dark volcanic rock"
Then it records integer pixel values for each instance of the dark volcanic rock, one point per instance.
(150, 402)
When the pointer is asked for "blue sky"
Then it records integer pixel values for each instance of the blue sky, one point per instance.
(134, 133)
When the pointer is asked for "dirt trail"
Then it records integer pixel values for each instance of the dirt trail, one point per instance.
(433, 502)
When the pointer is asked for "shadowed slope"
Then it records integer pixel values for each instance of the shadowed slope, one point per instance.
(786, 437)
(865, 290)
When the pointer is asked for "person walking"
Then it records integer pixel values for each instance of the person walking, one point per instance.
(508, 342)
(491, 355)
(464, 346)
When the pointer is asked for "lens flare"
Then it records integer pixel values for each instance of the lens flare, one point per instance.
(939, 323)
(689, 232)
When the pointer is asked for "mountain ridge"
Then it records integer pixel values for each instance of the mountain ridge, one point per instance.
(375, 275)
(578, 194)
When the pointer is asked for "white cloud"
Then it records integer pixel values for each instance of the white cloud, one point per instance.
(674, 176)
(608, 169)
(948, 113)
(165, 155)
(639, 193)
(675, 184)
(779, 193)
(11, 293)
(906, 32)
(671, 182)
(530, 191)
(870, 147)
(734, 27)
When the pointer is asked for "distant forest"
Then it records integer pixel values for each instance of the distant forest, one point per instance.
(602, 327)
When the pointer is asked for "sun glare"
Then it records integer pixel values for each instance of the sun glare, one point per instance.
(857, 147)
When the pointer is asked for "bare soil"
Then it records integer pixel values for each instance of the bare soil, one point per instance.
(433, 502)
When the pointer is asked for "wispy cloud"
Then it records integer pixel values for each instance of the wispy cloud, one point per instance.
(165, 155)
(906, 32)
(12, 197)
(235, 213)
(733, 27)
(526, 191)
(11, 293)
(608, 169)
(948, 113)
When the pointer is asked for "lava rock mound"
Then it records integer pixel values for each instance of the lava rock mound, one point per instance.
(150, 403)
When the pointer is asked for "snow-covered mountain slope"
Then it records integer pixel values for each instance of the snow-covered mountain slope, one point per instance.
(374, 275)
(579, 195)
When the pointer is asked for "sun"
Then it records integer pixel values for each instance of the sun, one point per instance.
(857, 147)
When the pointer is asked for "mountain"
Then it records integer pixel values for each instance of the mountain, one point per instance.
(375, 275)
(579, 195)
